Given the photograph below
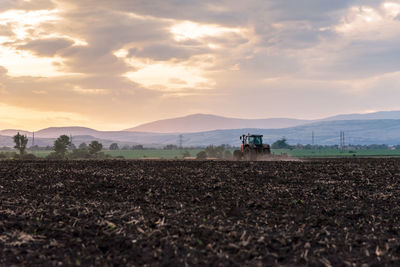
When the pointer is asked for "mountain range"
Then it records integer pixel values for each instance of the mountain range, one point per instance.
(204, 129)
(207, 122)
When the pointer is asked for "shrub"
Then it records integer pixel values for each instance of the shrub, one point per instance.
(10, 155)
(85, 154)
(171, 147)
(29, 157)
(114, 146)
(81, 153)
(101, 155)
(218, 151)
(54, 155)
(83, 146)
(201, 155)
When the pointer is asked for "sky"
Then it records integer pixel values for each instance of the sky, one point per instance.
(112, 65)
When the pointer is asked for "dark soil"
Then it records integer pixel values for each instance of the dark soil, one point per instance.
(326, 212)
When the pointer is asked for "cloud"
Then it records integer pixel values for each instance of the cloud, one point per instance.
(6, 30)
(166, 52)
(91, 91)
(222, 12)
(130, 61)
(26, 5)
(310, 10)
(46, 47)
(3, 71)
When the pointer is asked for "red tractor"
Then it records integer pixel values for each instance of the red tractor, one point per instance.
(252, 148)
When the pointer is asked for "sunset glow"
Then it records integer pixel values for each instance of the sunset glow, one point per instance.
(45, 118)
(170, 76)
(90, 62)
(21, 63)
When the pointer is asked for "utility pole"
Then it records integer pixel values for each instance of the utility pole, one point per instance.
(33, 138)
(342, 140)
(312, 138)
(180, 141)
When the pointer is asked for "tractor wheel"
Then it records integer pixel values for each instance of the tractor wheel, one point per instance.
(237, 155)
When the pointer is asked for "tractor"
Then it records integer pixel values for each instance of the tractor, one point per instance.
(252, 148)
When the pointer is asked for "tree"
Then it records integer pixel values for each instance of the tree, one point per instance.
(171, 147)
(114, 146)
(83, 146)
(20, 143)
(95, 147)
(281, 143)
(61, 145)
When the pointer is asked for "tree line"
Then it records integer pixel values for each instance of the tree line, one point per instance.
(282, 144)
(61, 145)
(218, 152)
(61, 149)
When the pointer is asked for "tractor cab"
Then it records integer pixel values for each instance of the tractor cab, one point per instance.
(252, 140)
(255, 140)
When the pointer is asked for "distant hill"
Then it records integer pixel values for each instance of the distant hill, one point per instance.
(57, 131)
(206, 122)
(363, 132)
(380, 115)
(11, 132)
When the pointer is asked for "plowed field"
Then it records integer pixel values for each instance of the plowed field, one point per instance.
(325, 212)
